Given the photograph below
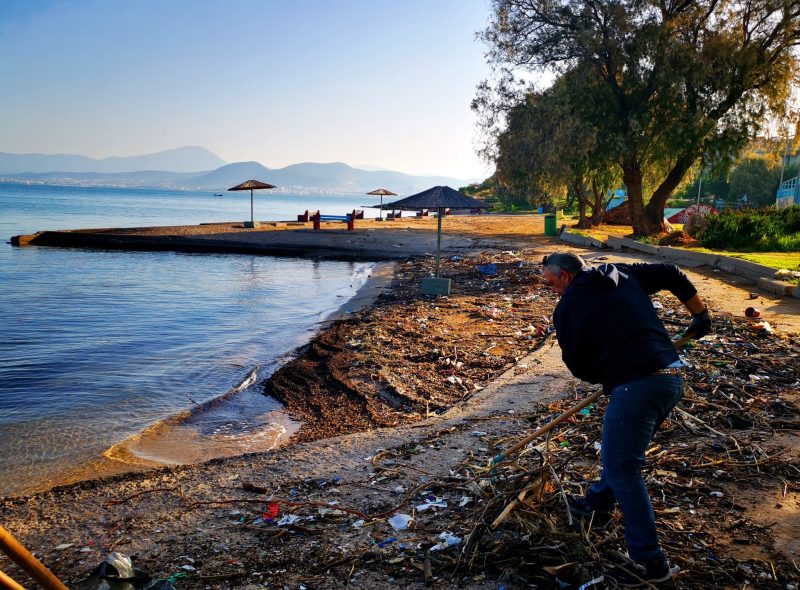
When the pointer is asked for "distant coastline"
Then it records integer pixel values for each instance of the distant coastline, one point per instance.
(197, 169)
(70, 182)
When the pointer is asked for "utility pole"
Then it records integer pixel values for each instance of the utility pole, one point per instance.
(699, 186)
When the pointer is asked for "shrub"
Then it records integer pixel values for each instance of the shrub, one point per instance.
(755, 230)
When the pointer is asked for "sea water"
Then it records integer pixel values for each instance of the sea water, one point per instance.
(113, 359)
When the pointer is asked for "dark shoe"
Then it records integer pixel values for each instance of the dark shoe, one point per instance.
(580, 508)
(633, 574)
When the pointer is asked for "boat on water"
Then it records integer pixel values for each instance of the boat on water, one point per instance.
(217, 194)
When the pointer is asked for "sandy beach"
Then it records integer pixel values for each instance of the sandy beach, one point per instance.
(403, 402)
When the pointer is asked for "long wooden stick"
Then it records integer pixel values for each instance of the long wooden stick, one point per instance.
(540, 431)
(8, 583)
(23, 558)
(576, 408)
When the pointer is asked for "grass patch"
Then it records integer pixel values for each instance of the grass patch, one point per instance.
(776, 260)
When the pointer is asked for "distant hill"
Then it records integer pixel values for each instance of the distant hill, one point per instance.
(229, 175)
(184, 159)
(308, 177)
(334, 177)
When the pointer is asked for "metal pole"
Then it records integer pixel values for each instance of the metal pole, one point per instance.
(380, 211)
(252, 219)
(699, 186)
(439, 241)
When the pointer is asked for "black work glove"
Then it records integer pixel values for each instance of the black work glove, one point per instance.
(700, 326)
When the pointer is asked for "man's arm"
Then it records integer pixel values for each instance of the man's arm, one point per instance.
(662, 276)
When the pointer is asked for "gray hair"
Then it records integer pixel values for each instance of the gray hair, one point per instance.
(572, 263)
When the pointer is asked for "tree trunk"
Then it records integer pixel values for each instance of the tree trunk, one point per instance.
(654, 212)
(597, 205)
(632, 177)
(578, 189)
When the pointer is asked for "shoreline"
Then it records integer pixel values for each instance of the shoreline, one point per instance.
(125, 456)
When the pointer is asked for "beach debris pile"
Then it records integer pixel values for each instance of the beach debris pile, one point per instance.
(409, 357)
(723, 473)
(710, 469)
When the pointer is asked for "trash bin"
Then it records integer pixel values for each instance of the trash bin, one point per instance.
(550, 224)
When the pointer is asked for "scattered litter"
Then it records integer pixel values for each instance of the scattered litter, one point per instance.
(447, 540)
(288, 520)
(399, 522)
(432, 503)
(594, 582)
(117, 572)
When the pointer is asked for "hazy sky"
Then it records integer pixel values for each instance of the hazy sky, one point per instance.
(378, 82)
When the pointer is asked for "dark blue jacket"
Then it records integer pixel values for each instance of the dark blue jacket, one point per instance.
(607, 327)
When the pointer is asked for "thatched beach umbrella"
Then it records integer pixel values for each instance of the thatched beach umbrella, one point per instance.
(251, 185)
(382, 192)
(440, 198)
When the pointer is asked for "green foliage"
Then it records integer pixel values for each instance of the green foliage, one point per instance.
(752, 178)
(511, 200)
(547, 152)
(499, 197)
(758, 230)
(714, 186)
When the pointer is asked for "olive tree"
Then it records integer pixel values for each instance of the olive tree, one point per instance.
(673, 80)
(546, 149)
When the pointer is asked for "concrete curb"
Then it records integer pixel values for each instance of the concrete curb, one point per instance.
(579, 240)
(758, 273)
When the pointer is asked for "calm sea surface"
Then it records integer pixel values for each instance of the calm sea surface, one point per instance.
(110, 359)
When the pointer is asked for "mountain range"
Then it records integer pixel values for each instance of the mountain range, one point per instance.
(195, 168)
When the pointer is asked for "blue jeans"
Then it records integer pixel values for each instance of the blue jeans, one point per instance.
(634, 413)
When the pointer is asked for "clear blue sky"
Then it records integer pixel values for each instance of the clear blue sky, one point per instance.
(378, 82)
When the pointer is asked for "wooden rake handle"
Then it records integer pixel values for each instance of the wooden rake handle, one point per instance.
(23, 558)
(7, 583)
(574, 409)
(549, 426)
